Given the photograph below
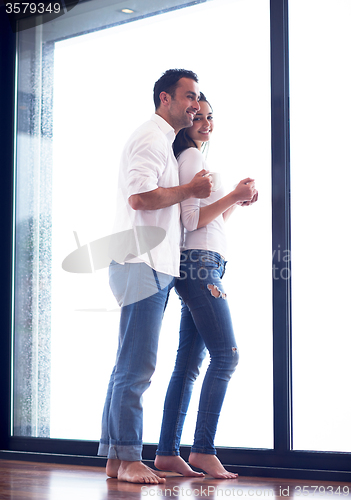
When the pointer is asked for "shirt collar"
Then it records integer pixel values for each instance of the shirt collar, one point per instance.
(165, 127)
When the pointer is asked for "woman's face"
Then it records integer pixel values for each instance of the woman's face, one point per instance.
(202, 125)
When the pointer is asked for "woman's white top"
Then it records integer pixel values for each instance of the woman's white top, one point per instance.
(211, 237)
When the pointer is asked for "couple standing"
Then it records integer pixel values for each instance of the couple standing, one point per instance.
(162, 166)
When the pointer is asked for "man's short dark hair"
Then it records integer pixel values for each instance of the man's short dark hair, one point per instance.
(169, 82)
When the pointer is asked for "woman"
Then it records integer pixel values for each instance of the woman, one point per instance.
(205, 319)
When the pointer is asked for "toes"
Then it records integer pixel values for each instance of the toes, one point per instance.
(153, 479)
(157, 473)
(231, 476)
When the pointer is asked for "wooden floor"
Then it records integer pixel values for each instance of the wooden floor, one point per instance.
(40, 481)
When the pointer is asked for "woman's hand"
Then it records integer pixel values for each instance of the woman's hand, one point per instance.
(248, 203)
(245, 192)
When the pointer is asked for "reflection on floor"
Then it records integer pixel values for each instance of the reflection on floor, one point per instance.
(41, 481)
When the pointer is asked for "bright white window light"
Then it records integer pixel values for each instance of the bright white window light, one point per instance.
(104, 109)
(320, 109)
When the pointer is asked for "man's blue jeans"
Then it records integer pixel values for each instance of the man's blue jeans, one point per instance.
(205, 323)
(142, 293)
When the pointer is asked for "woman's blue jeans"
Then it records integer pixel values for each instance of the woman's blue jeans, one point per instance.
(142, 294)
(205, 323)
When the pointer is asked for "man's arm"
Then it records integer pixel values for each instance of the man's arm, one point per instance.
(199, 187)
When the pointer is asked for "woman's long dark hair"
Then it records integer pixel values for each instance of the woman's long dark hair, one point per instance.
(182, 140)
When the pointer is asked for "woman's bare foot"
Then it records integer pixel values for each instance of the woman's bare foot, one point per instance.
(137, 472)
(175, 463)
(112, 467)
(211, 465)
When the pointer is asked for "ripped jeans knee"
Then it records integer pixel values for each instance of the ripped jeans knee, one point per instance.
(224, 363)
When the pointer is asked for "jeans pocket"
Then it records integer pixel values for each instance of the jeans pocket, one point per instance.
(208, 262)
(117, 285)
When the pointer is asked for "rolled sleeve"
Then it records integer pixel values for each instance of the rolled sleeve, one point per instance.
(190, 216)
(147, 164)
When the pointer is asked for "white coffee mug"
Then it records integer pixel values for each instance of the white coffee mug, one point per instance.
(216, 180)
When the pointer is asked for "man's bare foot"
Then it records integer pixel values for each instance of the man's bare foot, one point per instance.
(211, 465)
(112, 467)
(175, 463)
(137, 472)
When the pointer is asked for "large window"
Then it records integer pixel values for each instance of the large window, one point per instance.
(100, 87)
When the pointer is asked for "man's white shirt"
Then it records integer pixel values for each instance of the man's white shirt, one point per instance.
(147, 163)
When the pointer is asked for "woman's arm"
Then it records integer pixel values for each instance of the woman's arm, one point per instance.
(194, 216)
(230, 210)
(244, 191)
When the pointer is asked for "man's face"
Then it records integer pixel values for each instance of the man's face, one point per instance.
(184, 104)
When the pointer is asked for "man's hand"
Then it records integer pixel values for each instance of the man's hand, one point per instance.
(200, 186)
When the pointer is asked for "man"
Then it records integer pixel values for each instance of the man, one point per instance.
(149, 197)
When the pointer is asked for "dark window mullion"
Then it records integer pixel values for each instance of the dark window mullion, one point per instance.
(7, 99)
(281, 225)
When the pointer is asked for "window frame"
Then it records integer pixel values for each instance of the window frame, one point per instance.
(281, 461)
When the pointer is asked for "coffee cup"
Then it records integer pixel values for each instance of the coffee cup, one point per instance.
(215, 180)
